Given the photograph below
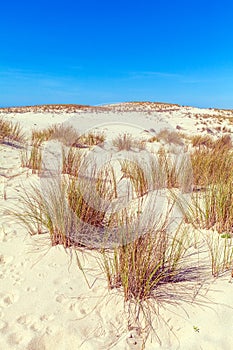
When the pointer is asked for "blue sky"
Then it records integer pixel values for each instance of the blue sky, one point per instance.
(93, 52)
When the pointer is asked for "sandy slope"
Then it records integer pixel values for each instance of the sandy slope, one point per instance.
(45, 302)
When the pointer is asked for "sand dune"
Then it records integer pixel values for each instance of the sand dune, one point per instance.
(45, 301)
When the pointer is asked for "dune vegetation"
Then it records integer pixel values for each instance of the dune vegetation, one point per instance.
(153, 211)
(138, 262)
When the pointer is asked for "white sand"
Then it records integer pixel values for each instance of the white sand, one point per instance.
(45, 302)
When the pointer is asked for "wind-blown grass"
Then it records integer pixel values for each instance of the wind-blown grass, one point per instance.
(146, 261)
(211, 165)
(31, 157)
(71, 161)
(10, 132)
(76, 210)
(214, 207)
(45, 210)
(66, 134)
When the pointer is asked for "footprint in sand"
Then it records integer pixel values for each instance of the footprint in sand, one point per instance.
(14, 275)
(61, 299)
(8, 299)
(24, 320)
(31, 289)
(21, 264)
(29, 321)
(17, 279)
(42, 275)
(80, 309)
(46, 317)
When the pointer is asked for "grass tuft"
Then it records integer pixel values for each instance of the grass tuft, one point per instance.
(10, 132)
(150, 259)
(125, 142)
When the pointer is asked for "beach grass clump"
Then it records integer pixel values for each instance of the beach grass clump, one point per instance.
(223, 143)
(69, 136)
(175, 170)
(81, 201)
(123, 142)
(214, 207)
(44, 209)
(68, 207)
(10, 132)
(211, 165)
(31, 157)
(137, 175)
(66, 134)
(91, 139)
(146, 261)
(160, 171)
(168, 137)
(168, 169)
(40, 136)
(71, 161)
(90, 197)
(126, 142)
(212, 172)
(201, 141)
(106, 184)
